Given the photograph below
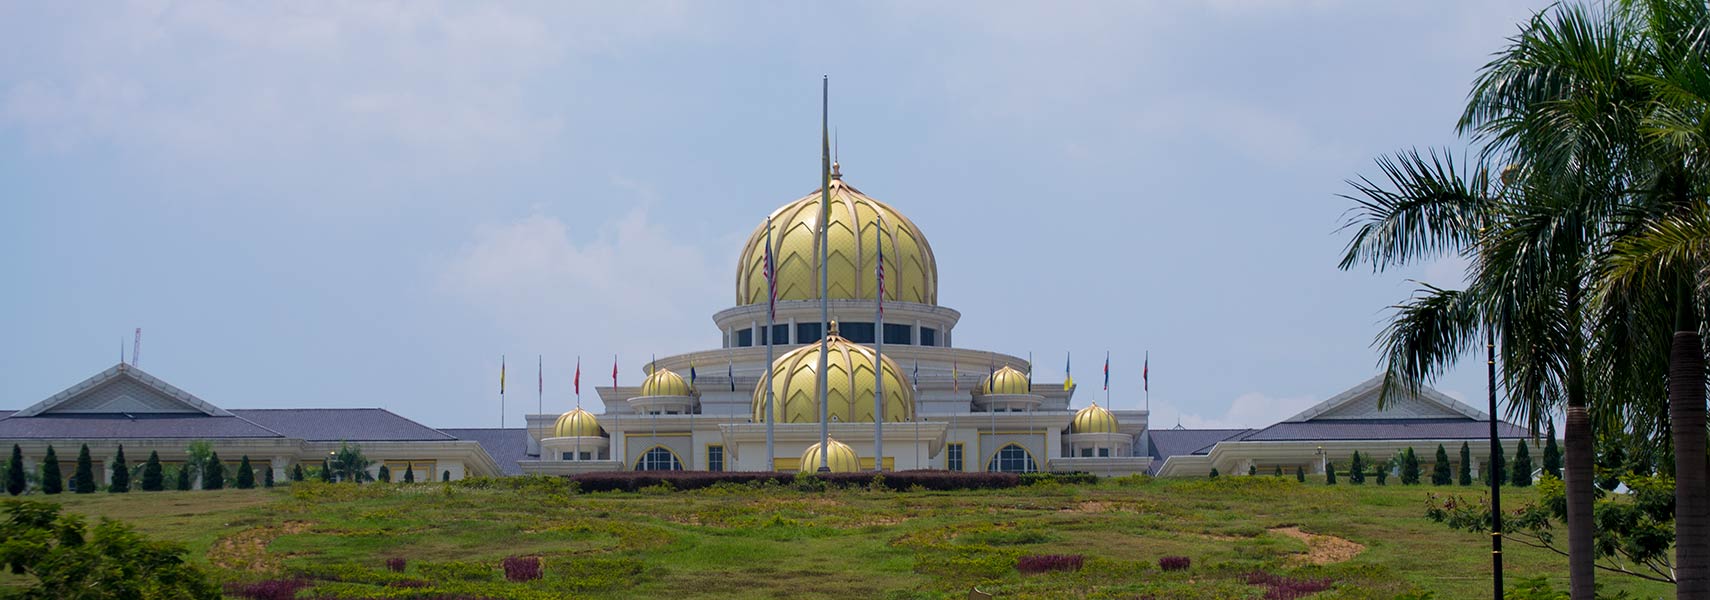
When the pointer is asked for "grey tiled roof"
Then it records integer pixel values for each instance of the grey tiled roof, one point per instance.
(123, 426)
(1385, 429)
(506, 446)
(341, 424)
(1175, 442)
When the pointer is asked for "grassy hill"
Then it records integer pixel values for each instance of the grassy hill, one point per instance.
(737, 542)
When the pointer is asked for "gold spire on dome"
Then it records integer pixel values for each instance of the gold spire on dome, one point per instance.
(664, 382)
(911, 271)
(576, 423)
(1093, 419)
(841, 459)
(850, 384)
(1007, 380)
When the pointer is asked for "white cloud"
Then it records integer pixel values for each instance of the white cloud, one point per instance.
(1252, 409)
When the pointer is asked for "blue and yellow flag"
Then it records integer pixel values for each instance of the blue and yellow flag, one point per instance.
(1068, 379)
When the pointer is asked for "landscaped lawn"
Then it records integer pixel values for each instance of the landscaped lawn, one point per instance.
(739, 542)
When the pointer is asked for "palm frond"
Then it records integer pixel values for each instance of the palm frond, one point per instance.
(1427, 207)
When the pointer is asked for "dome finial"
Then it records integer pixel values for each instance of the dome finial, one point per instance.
(834, 327)
(836, 172)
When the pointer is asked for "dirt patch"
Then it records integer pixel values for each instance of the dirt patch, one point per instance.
(1321, 549)
(1098, 506)
(247, 550)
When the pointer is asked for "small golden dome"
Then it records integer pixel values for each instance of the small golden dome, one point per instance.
(911, 272)
(1005, 381)
(1093, 419)
(576, 423)
(663, 382)
(842, 458)
(849, 386)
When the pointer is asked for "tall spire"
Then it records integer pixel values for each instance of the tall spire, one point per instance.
(824, 278)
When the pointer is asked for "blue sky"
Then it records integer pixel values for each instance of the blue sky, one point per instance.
(365, 204)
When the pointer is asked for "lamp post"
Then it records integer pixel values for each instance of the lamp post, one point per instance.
(1323, 461)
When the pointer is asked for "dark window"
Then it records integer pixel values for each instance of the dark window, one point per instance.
(1086, 452)
(780, 335)
(897, 334)
(860, 333)
(744, 338)
(1012, 459)
(928, 336)
(955, 457)
(715, 458)
(807, 332)
(658, 459)
(1104, 452)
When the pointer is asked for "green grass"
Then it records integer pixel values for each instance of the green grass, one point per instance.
(730, 542)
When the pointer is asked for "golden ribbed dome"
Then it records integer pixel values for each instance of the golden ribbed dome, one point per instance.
(576, 423)
(1005, 381)
(842, 458)
(849, 385)
(1093, 419)
(663, 382)
(911, 272)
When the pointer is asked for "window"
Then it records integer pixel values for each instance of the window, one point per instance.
(955, 457)
(897, 334)
(860, 333)
(928, 336)
(807, 332)
(1103, 452)
(744, 338)
(581, 456)
(1012, 459)
(658, 458)
(1087, 452)
(780, 334)
(715, 458)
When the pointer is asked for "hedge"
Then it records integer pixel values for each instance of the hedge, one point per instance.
(629, 481)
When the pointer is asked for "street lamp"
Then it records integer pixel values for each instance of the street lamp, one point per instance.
(1323, 461)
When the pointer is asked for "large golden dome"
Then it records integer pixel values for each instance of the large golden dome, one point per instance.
(1093, 419)
(842, 458)
(664, 382)
(1005, 381)
(849, 385)
(576, 423)
(911, 272)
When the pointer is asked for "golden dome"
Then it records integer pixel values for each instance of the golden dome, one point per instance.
(576, 423)
(1093, 419)
(911, 272)
(663, 382)
(841, 460)
(849, 385)
(1005, 381)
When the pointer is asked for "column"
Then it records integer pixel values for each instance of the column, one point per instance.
(792, 335)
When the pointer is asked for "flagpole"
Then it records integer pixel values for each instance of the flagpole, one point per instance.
(1146, 382)
(576, 383)
(879, 353)
(539, 385)
(771, 318)
(824, 274)
(501, 391)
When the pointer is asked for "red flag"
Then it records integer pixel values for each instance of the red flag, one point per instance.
(614, 370)
(1146, 374)
(578, 380)
(771, 280)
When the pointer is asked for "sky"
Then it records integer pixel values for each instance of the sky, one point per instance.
(343, 204)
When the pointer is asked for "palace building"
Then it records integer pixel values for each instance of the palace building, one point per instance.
(898, 394)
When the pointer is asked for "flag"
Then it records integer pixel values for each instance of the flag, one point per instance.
(771, 281)
(1029, 372)
(1107, 371)
(501, 374)
(915, 378)
(1068, 378)
(877, 235)
(730, 372)
(577, 381)
(539, 376)
(991, 374)
(614, 370)
(955, 378)
(1146, 373)
(691, 374)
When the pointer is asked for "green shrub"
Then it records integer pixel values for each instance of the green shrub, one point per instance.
(297, 472)
(457, 571)
(1409, 467)
(57, 556)
(385, 475)
(409, 474)
(119, 481)
(1357, 469)
(83, 479)
(183, 479)
(53, 481)
(152, 480)
(1329, 473)
(245, 474)
(1465, 476)
(1552, 454)
(1440, 474)
(1300, 474)
(1522, 470)
(267, 477)
(1214, 472)
(15, 470)
(213, 473)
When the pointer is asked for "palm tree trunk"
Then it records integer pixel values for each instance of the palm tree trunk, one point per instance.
(1692, 507)
(1582, 560)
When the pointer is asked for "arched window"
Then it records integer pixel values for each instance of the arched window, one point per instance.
(658, 458)
(1012, 459)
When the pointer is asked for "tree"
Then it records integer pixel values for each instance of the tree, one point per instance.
(1409, 467)
(1552, 454)
(1279, 471)
(213, 472)
(297, 472)
(1329, 473)
(1357, 469)
(15, 471)
(445, 475)
(53, 480)
(1382, 472)
(1440, 473)
(1300, 474)
(151, 477)
(245, 474)
(409, 473)
(1214, 472)
(183, 479)
(197, 453)
(83, 479)
(119, 481)
(267, 478)
(55, 555)
(1465, 477)
(1252, 470)
(326, 471)
(348, 464)
(385, 475)
(1521, 473)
